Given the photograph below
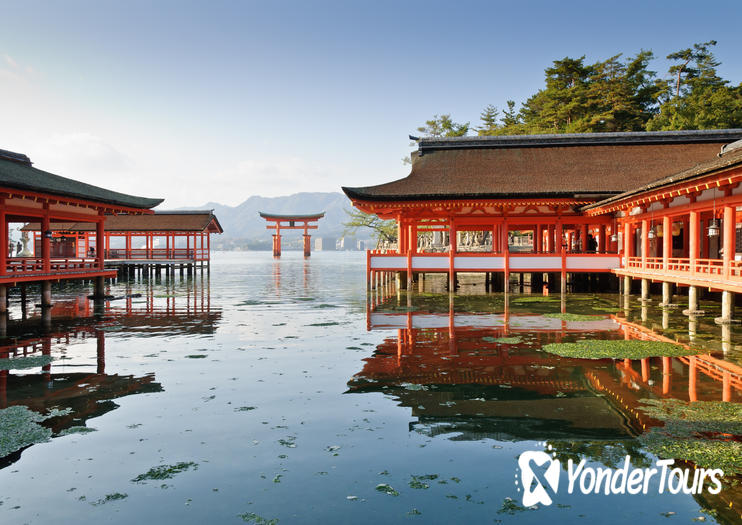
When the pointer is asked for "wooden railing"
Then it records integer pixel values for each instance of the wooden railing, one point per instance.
(30, 265)
(682, 267)
(197, 254)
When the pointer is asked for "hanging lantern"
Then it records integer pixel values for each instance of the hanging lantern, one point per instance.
(651, 233)
(713, 229)
(614, 237)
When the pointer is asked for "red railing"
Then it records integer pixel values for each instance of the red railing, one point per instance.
(197, 254)
(712, 270)
(19, 266)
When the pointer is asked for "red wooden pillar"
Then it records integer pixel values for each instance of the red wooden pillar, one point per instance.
(686, 237)
(3, 239)
(208, 246)
(307, 244)
(100, 242)
(453, 240)
(666, 242)
(551, 239)
(413, 237)
(583, 238)
(46, 240)
(602, 239)
(693, 237)
(538, 239)
(506, 256)
(728, 240)
(645, 242)
(451, 255)
(558, 238)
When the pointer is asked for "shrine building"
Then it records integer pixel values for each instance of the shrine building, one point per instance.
(28, 194)
(570, 205)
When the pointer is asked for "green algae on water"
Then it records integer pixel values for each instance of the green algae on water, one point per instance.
(386, 489)
(24, 363)
(19, 428)
(535, 299)
(116, 496)
(165, 471)
(251, 517)
(574, 317)
(616, 349)
(509, 506)
(503, 340)
(706, 433)
(76, 430)
(419, 482)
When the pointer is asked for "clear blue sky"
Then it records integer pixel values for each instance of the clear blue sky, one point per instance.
(220, 100)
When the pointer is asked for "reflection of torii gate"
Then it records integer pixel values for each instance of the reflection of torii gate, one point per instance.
(291, 222)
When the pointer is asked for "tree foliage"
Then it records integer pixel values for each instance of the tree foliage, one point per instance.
(616, 94)
(383, 231)
(443, 126)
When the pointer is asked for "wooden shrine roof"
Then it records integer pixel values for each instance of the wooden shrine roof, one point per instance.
(731, 157)
(17, 172)
(589, 165)
(186, 221)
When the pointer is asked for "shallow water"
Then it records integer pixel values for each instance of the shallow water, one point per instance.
(278, 390)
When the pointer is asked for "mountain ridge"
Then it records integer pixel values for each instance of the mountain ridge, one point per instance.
(243, 227)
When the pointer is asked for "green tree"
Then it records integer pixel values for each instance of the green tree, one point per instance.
(611, 95)
(382, 230)
(697, 97)
(443, 126)
(490, 123)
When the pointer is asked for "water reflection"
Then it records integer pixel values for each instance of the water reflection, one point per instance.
(53, 360)
(479, 371)
(468, 375)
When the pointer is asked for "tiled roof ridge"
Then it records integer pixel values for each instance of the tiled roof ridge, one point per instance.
(580, 139)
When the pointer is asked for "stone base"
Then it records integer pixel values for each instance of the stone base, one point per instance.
(694, 312)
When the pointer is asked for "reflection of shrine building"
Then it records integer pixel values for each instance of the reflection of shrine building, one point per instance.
(89, 390)
(83, 394)
(458, 379)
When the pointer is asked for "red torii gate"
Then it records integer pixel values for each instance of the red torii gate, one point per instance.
(291, 222)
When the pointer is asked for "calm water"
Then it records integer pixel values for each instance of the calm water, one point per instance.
(277, 391)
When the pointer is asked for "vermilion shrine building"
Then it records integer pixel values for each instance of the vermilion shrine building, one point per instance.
(591, 203)
(167, 239)
(28, 194)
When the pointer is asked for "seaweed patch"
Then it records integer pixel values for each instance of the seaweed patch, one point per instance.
(616, 349)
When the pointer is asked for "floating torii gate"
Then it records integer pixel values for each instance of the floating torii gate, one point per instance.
(291, 222)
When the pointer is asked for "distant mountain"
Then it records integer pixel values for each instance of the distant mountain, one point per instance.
(243, 226)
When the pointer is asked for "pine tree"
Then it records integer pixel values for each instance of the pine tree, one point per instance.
(490, 124)
(443, 126)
